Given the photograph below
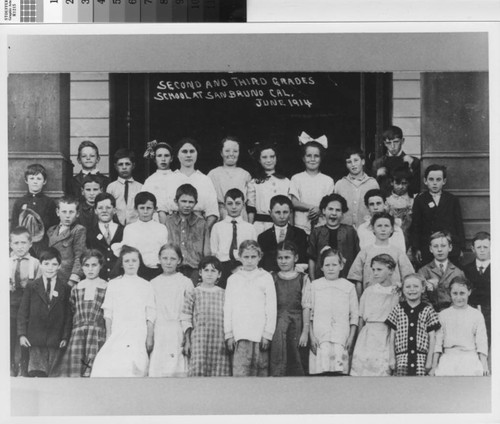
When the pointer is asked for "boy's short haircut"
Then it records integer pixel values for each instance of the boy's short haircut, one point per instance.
(19, 231)
(186, 140)
(69, 200)
(234, 193)
(91, 178)
(288, 245)
(143, 197)
(228, 138)
(379, 215)
(374, 192)
(280, 199)
(210, 260)
(122, 154)
(435, 167)
(353, 151)
(35, 169)
(334, 197)
(87, 143)
(385, 259)
(92, 253)
(186, 190)
(481, 235)
(49, 254)
(392, 132)
(460, 279)
(416, 276)
(440, 234)
(401, 173)
(104, 196)
(251, 245)
(328, 251)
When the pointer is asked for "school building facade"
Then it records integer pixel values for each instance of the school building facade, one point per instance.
(444, 117)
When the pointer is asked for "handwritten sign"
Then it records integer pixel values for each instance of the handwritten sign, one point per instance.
(262, 91)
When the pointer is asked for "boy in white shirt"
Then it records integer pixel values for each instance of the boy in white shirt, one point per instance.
(250, 313)
(146, 235)
(227, 234)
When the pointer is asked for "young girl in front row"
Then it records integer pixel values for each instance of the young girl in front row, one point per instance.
(202, 320)
(129, 313)
(293, 293)
(413, 326)
(461, 342)
(170, 288)
(89, 331)
(334, 318)
(371, 353)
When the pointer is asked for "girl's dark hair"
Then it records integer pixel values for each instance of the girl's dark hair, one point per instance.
(92, 253)
(228, 138)
(210, 260)
(163, 145)
(322, 150)
(330, 252)
(259, 174)
(459, 279)
(288, 245)
(118, 268)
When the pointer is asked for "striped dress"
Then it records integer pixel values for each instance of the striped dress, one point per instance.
(89, 330)
(204, 312)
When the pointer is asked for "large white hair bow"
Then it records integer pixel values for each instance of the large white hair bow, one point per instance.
(305, 138)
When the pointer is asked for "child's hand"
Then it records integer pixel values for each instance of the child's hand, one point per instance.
(314, 344)
(230, 343)
(349, 344)
(431, 372)
(264, 344)
(313, 213)
(392, 364)
(428, 366)
(149, 344)
(186, 348)
(303, 339)
(431, 284)
(24, 342)
(12, 286)
(418, 256)
(382, 171)
(63, 344)
(408, 159)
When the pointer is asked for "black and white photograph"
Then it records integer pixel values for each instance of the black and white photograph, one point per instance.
(259, 219)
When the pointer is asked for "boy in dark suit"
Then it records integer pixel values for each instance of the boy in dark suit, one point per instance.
(35, 210)
(478, 272)
(281, 208)
(436, 210)
(44, 317)
(103, 234)
(69, 238)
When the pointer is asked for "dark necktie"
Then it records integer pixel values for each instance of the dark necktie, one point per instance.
(17, 272)
(481, 270)
(126, 191)
(47, 290)
(441, 266)
(234, 241)
(107, 235)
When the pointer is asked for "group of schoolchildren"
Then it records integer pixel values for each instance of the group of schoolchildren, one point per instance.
(227, 274)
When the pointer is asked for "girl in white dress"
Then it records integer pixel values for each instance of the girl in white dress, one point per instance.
(334, 318)
(307, 188)
(156, 183)
(229, 175)
(266, 184)
(371, 353)
(461, 342)
(170, 288)
(129, 314)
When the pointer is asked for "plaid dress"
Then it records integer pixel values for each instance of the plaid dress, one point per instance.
(204, 312)
(412, 326)
(89, 330)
